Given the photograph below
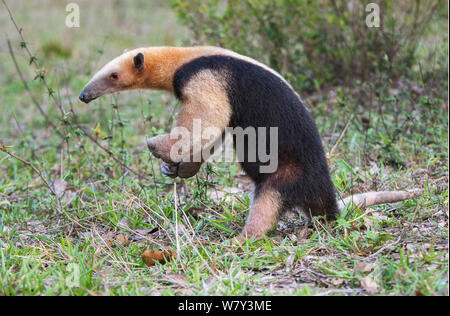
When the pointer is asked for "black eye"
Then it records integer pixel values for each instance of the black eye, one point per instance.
(114, 76)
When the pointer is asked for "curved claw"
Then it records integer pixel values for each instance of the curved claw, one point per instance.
(169, 170)
(183, 169)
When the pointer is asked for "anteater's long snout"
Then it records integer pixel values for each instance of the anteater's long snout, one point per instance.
(86, 96)
(83, 97)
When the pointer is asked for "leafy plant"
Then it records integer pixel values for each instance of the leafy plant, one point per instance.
(313, 43)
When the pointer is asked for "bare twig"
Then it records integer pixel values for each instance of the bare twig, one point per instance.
(340, 137)
(107, 150)
(29, 164)
(27, 88)
(39, 173)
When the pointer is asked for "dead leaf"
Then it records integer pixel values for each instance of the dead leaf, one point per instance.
(302, 234)
(369, 284)
(56, 168)
(401, 274)
(150, 257)
(290, 261)
(177, 278)
(145, 231)
(373, 217)
(124, 223)
(337, 282)
(36, 182)
(379, 216)
(368, 222)
(363, 267)
(68, 196)
(122, 240)
(112, 240)
(244, 182)
(59, 186)
(108, 239)
(194, 212)
(36, 227)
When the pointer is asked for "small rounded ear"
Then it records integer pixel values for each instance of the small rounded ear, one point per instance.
(139, 61)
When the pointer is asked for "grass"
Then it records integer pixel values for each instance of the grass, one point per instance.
(89, 241)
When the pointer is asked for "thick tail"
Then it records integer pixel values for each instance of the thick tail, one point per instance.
(364, 200)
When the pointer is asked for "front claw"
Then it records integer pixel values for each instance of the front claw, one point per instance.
(183, 170)
(169, 170)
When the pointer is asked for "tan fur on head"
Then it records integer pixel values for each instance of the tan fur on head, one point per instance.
(160, 65)
(122, 73)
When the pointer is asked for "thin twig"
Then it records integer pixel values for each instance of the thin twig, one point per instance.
(29, 164)
(27, 88)
(52, 96)
(108, 151)
(49, 186)
(341, 136)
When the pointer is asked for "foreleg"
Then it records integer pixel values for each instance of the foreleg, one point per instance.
(204, 115)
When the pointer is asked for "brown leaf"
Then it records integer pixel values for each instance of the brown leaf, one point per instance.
(372, 217)
(225, 194)
(302, 234)
(194, 212)
(107, 238)
(124, 223)
(337, 282)
(68, 196)
(122, 240)
(177, 278)
(145, 231)
(56, 168)
(150, 257)
(401, 274)
(290, 261)
(363, 267)
(369, 284)
(59, 186)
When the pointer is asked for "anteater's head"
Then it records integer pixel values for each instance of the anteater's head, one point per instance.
(122, 73)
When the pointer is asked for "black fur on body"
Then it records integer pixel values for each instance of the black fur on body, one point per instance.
(259, 98)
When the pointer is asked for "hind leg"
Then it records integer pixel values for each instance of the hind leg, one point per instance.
(264, 212)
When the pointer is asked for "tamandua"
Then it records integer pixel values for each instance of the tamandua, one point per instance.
(220, 89)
